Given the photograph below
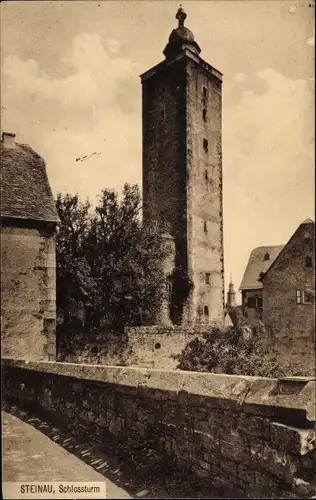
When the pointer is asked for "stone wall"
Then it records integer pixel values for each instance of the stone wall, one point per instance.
(28, 292)
(146, 346)
(291, 325)
(204, 190)
(252, 435)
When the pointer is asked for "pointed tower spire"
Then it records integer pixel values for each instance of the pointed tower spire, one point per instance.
(231, 294)
(181, 16)
(181, 38)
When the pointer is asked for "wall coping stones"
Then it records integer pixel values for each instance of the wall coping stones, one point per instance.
(253, 395)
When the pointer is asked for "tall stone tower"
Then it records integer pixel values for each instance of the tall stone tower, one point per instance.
(182, 173)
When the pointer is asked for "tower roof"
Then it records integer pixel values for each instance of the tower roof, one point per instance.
(181, 38)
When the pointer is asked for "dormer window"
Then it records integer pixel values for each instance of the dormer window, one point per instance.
(266, 256)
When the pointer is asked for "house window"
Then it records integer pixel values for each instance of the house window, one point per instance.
(252, 302)
(208, 278)
(308, 261)
(205, 145)
(298, 297)
(308, 297)
(205, 311)
(206, 175)
(204, 115)
(205, 227)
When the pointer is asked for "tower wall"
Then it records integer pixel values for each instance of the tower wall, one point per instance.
(204, 191)
(182, 182)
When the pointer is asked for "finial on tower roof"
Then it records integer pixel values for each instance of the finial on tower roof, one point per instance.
(181, 16)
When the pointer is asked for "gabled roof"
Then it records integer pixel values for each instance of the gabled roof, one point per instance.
(304, 223)
(25, 190)
(257, 264)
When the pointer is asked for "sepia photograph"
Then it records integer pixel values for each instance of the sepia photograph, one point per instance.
(157, 249)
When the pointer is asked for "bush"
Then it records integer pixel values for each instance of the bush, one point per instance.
(234, 351)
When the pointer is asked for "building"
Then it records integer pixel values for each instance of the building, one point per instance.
(182, 173)
(260, 260)
(288, 297)
(28, 264)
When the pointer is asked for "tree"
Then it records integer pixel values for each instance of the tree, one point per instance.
(125, 260)
(73, 272)
(117, 271)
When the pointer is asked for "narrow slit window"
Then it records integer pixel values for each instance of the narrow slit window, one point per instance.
(308, 261)
(205, 145)
(205, 311)
(205, 227)
(298, 297)
(207, 278)
(204, 91)
(204, 115)
(206, 175)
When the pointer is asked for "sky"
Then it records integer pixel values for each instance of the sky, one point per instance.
(70, 88)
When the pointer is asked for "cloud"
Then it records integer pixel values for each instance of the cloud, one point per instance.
(268, 165)
(83, 112)
(311, 40)
(240, 77)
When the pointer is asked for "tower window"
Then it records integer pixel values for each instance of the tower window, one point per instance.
(204, 115)
(169, 283)
(207, 278)
(206, 175)
(308, 261)
(307, 297)
(205, 227)
(205, 145)
(204, 91)
(205, 311)
(298, 297)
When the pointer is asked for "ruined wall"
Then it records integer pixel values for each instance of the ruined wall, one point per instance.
(253, 435)
(28, 293)
(291, 325)
(204, 190)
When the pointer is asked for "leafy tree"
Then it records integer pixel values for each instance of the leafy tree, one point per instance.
(72, 269)
(117, 271)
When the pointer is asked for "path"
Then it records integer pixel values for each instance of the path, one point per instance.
(29, 455)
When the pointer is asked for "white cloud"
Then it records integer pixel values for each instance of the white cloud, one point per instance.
(311, 40)
(81, 113)
(268, 166)
(240, 77)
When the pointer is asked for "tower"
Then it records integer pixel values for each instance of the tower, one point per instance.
(182, 172)
(231, 295)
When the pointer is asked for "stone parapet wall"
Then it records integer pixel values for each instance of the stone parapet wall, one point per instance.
(253, 435)
(145, 346)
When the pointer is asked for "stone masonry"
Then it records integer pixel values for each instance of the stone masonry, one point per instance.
(252, 435)
(182, 170)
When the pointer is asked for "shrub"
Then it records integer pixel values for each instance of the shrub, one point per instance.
(234, 351)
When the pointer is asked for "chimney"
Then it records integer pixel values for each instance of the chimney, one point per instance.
(8, 139)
